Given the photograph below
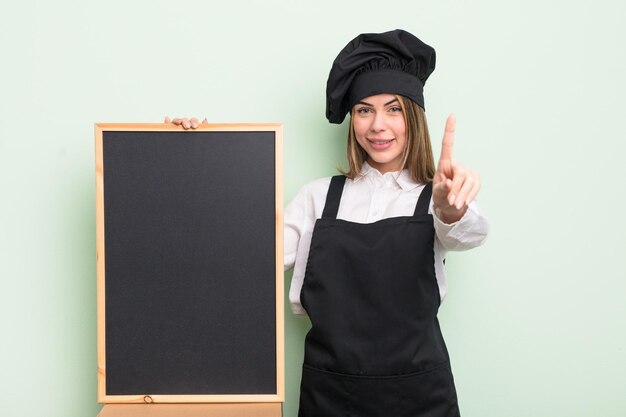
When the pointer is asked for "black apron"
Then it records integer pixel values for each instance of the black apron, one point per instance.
(375, 347)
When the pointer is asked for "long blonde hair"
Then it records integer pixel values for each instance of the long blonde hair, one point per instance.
(417, 157)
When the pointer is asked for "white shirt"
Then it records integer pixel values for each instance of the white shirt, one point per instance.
(368, 198)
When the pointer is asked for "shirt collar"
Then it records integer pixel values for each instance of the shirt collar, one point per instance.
(401, 178)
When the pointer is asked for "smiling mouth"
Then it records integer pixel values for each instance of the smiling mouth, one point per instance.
(380, 141)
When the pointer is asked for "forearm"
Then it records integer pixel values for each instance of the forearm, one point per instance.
(467, 232)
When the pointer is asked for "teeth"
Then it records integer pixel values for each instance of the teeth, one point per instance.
(380, 142)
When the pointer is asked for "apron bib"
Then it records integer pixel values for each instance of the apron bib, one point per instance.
(375, 347)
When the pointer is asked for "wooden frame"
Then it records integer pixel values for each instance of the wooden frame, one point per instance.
(100, 265)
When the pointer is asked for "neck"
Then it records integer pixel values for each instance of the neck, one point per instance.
(383, 168)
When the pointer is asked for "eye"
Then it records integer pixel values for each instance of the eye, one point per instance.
(395, 109)
(363, 110)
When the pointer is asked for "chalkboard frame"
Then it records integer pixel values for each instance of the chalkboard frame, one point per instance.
(103, 397)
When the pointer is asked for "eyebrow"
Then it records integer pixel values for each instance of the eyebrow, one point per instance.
(386, 104)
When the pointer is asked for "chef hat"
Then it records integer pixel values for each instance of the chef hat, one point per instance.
(393, 62)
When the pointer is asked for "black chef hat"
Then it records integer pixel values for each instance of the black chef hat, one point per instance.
(393, 62)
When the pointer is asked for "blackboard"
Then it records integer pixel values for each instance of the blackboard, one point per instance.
(189, 263)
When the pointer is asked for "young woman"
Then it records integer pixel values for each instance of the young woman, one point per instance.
(367, 247)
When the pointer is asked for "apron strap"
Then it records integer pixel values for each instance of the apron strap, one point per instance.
(333, 197)
(424, 200)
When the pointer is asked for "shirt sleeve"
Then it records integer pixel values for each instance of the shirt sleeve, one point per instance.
(295, 218)
(299, 220)
(467, 233)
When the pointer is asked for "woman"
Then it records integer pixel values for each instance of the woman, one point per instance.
(367, 247)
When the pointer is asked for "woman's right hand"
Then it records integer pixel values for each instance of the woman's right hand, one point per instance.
(185, 122)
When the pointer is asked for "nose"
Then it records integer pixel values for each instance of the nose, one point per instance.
(378, 122)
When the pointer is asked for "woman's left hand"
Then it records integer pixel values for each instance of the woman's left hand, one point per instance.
(185, 122)
(454, 186)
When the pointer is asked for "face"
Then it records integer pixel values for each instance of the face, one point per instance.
(380, 129)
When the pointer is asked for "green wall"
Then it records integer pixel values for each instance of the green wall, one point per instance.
(535, 320)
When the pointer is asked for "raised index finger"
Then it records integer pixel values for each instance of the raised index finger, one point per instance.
(448, 138)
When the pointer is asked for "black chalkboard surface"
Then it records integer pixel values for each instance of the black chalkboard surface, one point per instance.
(189, 263)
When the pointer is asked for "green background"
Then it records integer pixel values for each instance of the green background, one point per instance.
(535, 320)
